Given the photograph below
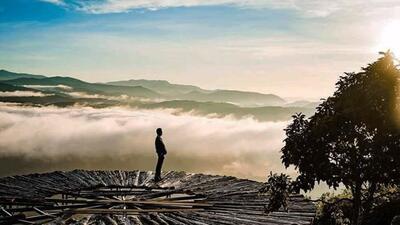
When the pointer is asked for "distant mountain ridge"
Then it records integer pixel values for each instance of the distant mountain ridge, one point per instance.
(243, 98)
(194, 93)
(81, 86)
(7, 75)
(151, 89)
(160, 86)
(146, 94)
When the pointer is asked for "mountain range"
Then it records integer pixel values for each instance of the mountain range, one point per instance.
(7, 75)
(148, 94)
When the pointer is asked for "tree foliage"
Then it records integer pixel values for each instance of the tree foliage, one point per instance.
(334, 209)
(353, 138)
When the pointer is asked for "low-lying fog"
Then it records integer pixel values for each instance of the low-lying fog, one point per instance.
(48, 138)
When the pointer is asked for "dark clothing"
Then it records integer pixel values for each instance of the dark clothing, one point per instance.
(161, 151)
(160, 161)
(160, 147)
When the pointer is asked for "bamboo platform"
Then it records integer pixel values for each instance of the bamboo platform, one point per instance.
(132, 197)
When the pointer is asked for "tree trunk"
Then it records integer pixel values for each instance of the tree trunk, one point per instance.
(368, 202)
(356, 204)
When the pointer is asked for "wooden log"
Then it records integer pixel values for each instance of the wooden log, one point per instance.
(130, 211)
(156, 203)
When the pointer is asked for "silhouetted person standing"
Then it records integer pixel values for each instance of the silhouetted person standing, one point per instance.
(161, 151)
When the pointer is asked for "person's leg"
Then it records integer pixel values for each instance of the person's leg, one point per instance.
(160, 161)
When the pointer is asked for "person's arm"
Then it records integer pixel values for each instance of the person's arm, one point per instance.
(164, 148)
(159, 146)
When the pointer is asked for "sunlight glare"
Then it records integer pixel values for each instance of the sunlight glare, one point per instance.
(390, 38)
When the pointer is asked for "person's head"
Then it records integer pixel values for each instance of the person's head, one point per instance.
(159, 131)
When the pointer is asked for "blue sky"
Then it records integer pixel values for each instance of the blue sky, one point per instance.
(289, 47)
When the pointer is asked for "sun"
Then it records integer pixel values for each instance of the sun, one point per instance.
(390, 38)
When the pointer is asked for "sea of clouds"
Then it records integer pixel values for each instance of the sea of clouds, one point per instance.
(39, 139)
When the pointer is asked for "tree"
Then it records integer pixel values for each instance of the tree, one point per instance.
(278, 187)
(353, 138)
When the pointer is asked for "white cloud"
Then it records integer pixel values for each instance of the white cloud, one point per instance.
(49, 138)
(116, 6)
(76, 94)
(22, 94)
(85, 95)
(60, 86)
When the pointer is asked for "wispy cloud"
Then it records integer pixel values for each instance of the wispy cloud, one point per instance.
(22, 94)
(57, 2)
(117, 6)
(49, 138)
(314, 8)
